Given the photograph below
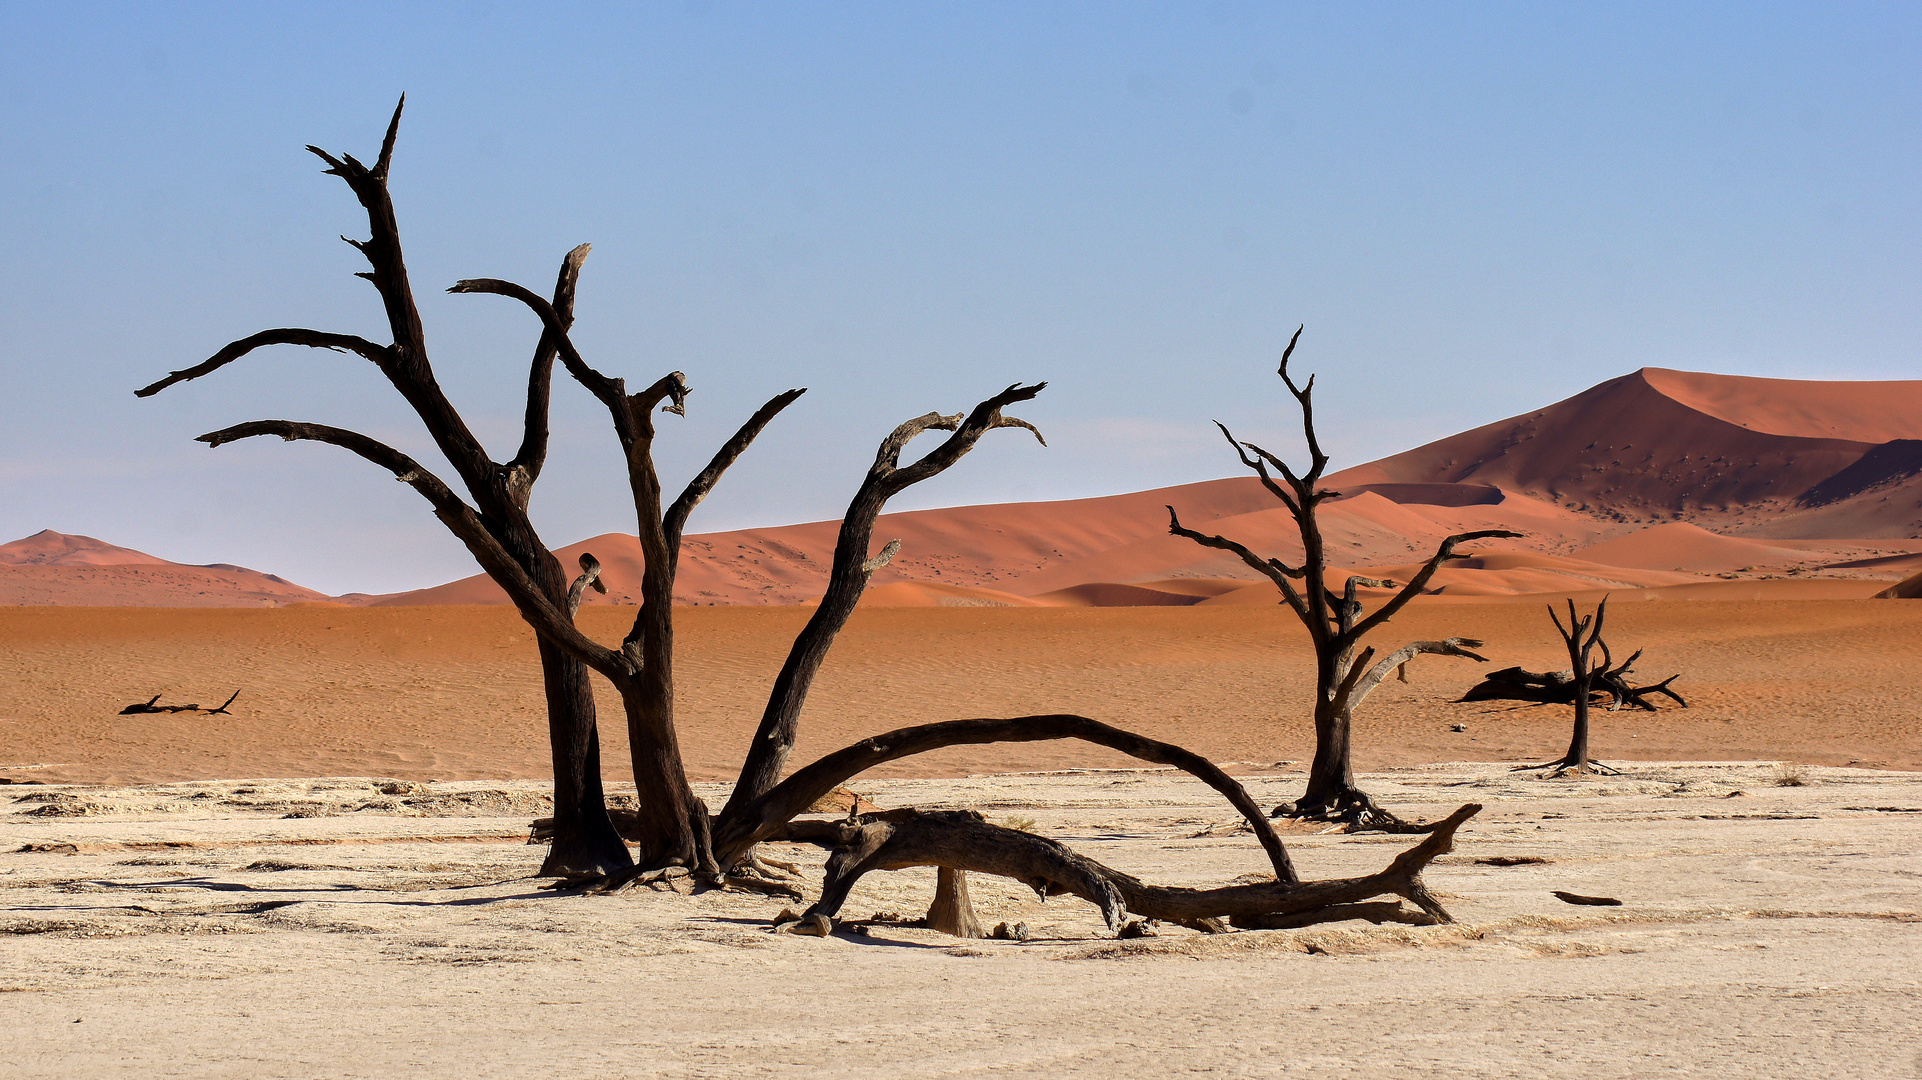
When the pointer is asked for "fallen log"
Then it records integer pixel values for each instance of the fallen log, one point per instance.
(1558, 688)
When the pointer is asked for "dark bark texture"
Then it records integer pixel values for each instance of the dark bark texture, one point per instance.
(584, 841)
(962, 840)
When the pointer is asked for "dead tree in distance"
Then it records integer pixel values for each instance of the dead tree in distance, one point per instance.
(152, 705)
(1583, 636)
(584, 841)
(1335, 621)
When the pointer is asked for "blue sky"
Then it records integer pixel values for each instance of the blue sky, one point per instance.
(1476, 209)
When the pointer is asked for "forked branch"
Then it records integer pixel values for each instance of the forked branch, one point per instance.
(849, 573)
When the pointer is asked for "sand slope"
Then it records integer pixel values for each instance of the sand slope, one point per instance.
(54, 568)
(1603, 476)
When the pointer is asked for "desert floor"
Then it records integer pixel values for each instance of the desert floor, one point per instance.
(454, 692)
(162, 914)
(360, 928)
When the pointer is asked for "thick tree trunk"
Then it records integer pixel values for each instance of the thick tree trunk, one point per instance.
(665, 832)
(585, 841)
(1331, 777)
(1577, 757)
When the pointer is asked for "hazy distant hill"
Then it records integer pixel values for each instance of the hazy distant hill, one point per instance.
(79, 571)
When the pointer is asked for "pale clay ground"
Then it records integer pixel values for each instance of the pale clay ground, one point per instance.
(294, 928)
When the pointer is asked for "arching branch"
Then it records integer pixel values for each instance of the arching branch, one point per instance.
(1273, 569)
(760, 818)
(1408, 592)
(1455, 646)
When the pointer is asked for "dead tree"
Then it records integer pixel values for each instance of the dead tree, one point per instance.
(1336, 621)
(962, 840)
(585, 841)
(721, 850)
(674, 831)
(1583, 636)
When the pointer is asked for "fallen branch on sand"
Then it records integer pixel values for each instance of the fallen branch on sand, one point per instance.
(962, 840)
(152, 705)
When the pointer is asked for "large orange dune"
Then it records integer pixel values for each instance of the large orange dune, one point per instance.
(1654, 480)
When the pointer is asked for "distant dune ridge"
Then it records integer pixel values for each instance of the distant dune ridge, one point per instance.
(1654, 480)
(54, 568)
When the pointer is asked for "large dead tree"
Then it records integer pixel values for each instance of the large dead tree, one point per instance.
(1336, 622)
(585, 841)
(673, 830)
(677, 835)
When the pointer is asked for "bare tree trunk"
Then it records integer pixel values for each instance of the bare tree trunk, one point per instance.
(664, 832)
(584, 841)
(1331, 776)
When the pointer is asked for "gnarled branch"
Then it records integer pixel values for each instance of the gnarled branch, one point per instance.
(289, 335)
(961, 840)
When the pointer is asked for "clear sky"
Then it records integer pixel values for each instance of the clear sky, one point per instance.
(1475, 208)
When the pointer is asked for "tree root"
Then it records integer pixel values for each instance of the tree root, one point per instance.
(1354, 809)
(674, 878)
(963, 841)
(1569, 767)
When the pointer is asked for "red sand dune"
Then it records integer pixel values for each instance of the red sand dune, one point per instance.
(1679, 545)
(1906, 589)
(1647, 474)
(50, 568)
(1737, 453)
(49, 548)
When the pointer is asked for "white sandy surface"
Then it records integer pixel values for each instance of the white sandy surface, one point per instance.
(195, 929)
